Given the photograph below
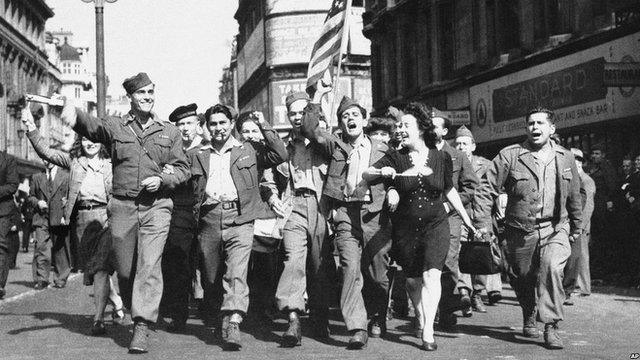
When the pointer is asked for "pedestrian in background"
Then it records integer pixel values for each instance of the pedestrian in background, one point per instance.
(577, 275)
(542, 219)
(9, 215)
(140, 145)
(89, 190)
(48, 195)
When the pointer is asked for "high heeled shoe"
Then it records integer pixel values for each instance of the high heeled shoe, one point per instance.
(117, 319)
(429, 346)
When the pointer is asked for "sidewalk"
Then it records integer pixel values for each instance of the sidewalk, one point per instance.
(20, 282)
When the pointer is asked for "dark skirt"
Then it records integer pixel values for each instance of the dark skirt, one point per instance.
(421, 239)
(95, 242)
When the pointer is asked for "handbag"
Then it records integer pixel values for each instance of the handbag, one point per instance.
(480, 257)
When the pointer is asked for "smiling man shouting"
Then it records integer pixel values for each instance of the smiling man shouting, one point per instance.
(140, 145)
(542, 219)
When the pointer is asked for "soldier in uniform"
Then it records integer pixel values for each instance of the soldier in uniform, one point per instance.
(308, 253)
(141, 145)
(467, 283)
(226, 175)
(465, 181)
(542, 218)
(362, 228)
(176, 258)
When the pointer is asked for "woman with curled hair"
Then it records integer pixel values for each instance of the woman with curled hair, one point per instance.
(422, 175)
(90, 181)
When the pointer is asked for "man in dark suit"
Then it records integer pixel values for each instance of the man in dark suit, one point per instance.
(225, 176)
(48, 194)
(9, 216)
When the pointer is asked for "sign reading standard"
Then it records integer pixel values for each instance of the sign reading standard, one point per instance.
(571, 86)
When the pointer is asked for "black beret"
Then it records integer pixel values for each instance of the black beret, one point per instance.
(136, 82)
(182, 112)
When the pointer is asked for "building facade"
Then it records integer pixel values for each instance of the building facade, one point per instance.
(24, 68)
(274, 46)
(499, 58)
(77, 76)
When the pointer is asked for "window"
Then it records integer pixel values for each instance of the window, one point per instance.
(509, 24)
(446, 35)
(77, 89)
(492, 43)
(408, 54)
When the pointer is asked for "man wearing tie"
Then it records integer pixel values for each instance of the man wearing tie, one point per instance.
(48, 194)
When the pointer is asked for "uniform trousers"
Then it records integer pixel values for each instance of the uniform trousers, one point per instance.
(225, 248)
(308, 261)
(451, 272)
(139, 229)
(363, 240)
(577, 276)
(537, 259)
(51, 248)
(176, 265)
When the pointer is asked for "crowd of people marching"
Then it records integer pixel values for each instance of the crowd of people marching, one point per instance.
(210, 206)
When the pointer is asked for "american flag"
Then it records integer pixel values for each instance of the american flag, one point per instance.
(329, 45)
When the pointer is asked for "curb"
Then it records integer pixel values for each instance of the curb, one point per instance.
(33, 292)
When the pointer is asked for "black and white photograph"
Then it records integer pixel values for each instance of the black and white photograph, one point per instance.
(319, 179)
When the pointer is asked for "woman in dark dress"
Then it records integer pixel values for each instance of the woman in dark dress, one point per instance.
(422, 175)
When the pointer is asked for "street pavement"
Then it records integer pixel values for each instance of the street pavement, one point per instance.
(53, 324)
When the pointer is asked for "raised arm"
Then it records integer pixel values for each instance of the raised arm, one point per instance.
(60, 158)
(274, 151)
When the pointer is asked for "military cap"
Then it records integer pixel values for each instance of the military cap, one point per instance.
(182, 112)
(464, 131)
(347, 103)
(134, 83)
(295, 96)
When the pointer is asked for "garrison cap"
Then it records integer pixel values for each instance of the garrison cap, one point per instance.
(295, 96)
(347, 103)
(136, 82)
(182, 112)
(464, 131)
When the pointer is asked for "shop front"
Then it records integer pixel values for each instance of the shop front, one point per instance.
(578, 88)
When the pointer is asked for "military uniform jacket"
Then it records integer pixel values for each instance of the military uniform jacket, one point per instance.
(336, 151)
(465, 180)
(515, 170)
(137, 155)
(248, 161)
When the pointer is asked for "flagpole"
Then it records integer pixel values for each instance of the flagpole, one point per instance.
(343, 44)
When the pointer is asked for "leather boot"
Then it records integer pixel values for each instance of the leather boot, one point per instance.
(359, 339)
(552, 339)
(140, 340)
(529, 327)
(477, 304)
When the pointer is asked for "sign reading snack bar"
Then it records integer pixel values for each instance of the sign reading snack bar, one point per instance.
(573, 86)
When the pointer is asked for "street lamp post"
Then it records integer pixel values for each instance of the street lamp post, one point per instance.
(100, 74)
